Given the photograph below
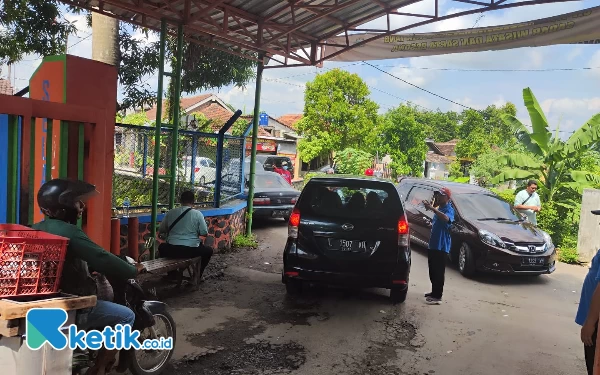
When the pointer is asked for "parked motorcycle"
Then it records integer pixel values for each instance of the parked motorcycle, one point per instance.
(152, 319)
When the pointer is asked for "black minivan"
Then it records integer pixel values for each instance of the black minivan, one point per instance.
(348, 231)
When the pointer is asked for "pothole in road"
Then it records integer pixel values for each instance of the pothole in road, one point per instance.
(397, 335)
(260, 358)
(231, 349)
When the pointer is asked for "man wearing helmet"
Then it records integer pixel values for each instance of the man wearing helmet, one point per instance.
(62, 202)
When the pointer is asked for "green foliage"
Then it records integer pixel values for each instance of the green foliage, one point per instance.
(353, 161)
(567, 253)
(239, 127)
(507, 195)
(485, 167)
(475, 144)
(39, 27)
(308, 176)
(137, 118)
(243, 241)
(456, 170)
(439, 126)
(202, 123)
(403, 137)
(337, 114)
(550, 159)
(32, 27)
(206, 68)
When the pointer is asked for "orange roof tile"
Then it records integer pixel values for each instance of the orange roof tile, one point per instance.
(185, 103)
(447, 148)
(290, 120)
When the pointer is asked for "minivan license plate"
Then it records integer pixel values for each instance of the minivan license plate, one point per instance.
(348, 245)
(537, 261)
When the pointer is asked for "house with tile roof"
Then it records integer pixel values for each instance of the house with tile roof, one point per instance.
(438, 158)
(291, 120)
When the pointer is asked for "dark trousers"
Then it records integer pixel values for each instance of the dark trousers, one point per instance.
(590, 353)
(437, 271)
(167, 250)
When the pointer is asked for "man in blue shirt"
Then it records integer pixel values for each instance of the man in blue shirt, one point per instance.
(439, 243)
(589, 309)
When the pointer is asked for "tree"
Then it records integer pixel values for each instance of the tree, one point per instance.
(337, 114)
(549, 159)
(32, 26)
(486, 166)
(488, 124)
(403, 137)
(138, 118)
(475, 144)
(38, 27)
(353, 161)
(440, 126)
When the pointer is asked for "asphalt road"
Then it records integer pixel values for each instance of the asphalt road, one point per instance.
(242, 322)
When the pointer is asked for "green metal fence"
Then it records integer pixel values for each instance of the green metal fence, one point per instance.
(195, 167)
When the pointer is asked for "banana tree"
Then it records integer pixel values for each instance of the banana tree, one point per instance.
(549, 159)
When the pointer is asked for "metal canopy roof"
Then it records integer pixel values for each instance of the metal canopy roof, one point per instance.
(289, 32)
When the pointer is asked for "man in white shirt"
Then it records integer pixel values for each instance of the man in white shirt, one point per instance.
(528, 201)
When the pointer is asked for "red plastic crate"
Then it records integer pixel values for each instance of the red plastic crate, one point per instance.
(31, 261)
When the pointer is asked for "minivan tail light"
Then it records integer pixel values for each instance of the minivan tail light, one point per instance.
(293, 200)
(261, 201)
(403, 232)
(294, 223)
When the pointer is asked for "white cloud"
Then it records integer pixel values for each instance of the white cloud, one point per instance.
(499, 102)
(575, 53)
(571, 105)
(595, 63)
(568, 114)
(414, 76)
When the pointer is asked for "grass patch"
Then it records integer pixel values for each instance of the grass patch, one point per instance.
(568, 255)
(245, 241)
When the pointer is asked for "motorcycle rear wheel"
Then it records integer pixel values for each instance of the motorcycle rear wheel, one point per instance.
(165, 327)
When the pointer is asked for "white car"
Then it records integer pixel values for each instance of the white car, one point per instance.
(205, 170)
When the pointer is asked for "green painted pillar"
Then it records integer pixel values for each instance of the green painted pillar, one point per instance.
(159, 97)
(250, 208)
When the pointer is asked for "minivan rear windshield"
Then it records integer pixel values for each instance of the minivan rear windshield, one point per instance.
(350, 199)
(477, 206)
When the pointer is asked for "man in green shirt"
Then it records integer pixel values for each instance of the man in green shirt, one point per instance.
(528, 201)
(182, 227)
(62, 202)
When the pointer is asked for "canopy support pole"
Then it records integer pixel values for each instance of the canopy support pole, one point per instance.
(157, 127)
(176, 75)
(250, 205)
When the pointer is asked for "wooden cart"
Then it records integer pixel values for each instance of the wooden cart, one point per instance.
(15, 356)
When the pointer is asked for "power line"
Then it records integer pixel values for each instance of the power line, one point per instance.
(81, 40)
(492, 70)
(481, 15)
(399, 98)
(418, 87)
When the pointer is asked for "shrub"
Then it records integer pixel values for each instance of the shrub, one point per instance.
(243, 241)
(310, 175)
(353, 161)
(567, 253)
(507, 195)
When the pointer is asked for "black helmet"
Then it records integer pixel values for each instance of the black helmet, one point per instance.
(58, 198)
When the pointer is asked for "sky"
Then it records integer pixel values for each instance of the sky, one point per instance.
(569, 98)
